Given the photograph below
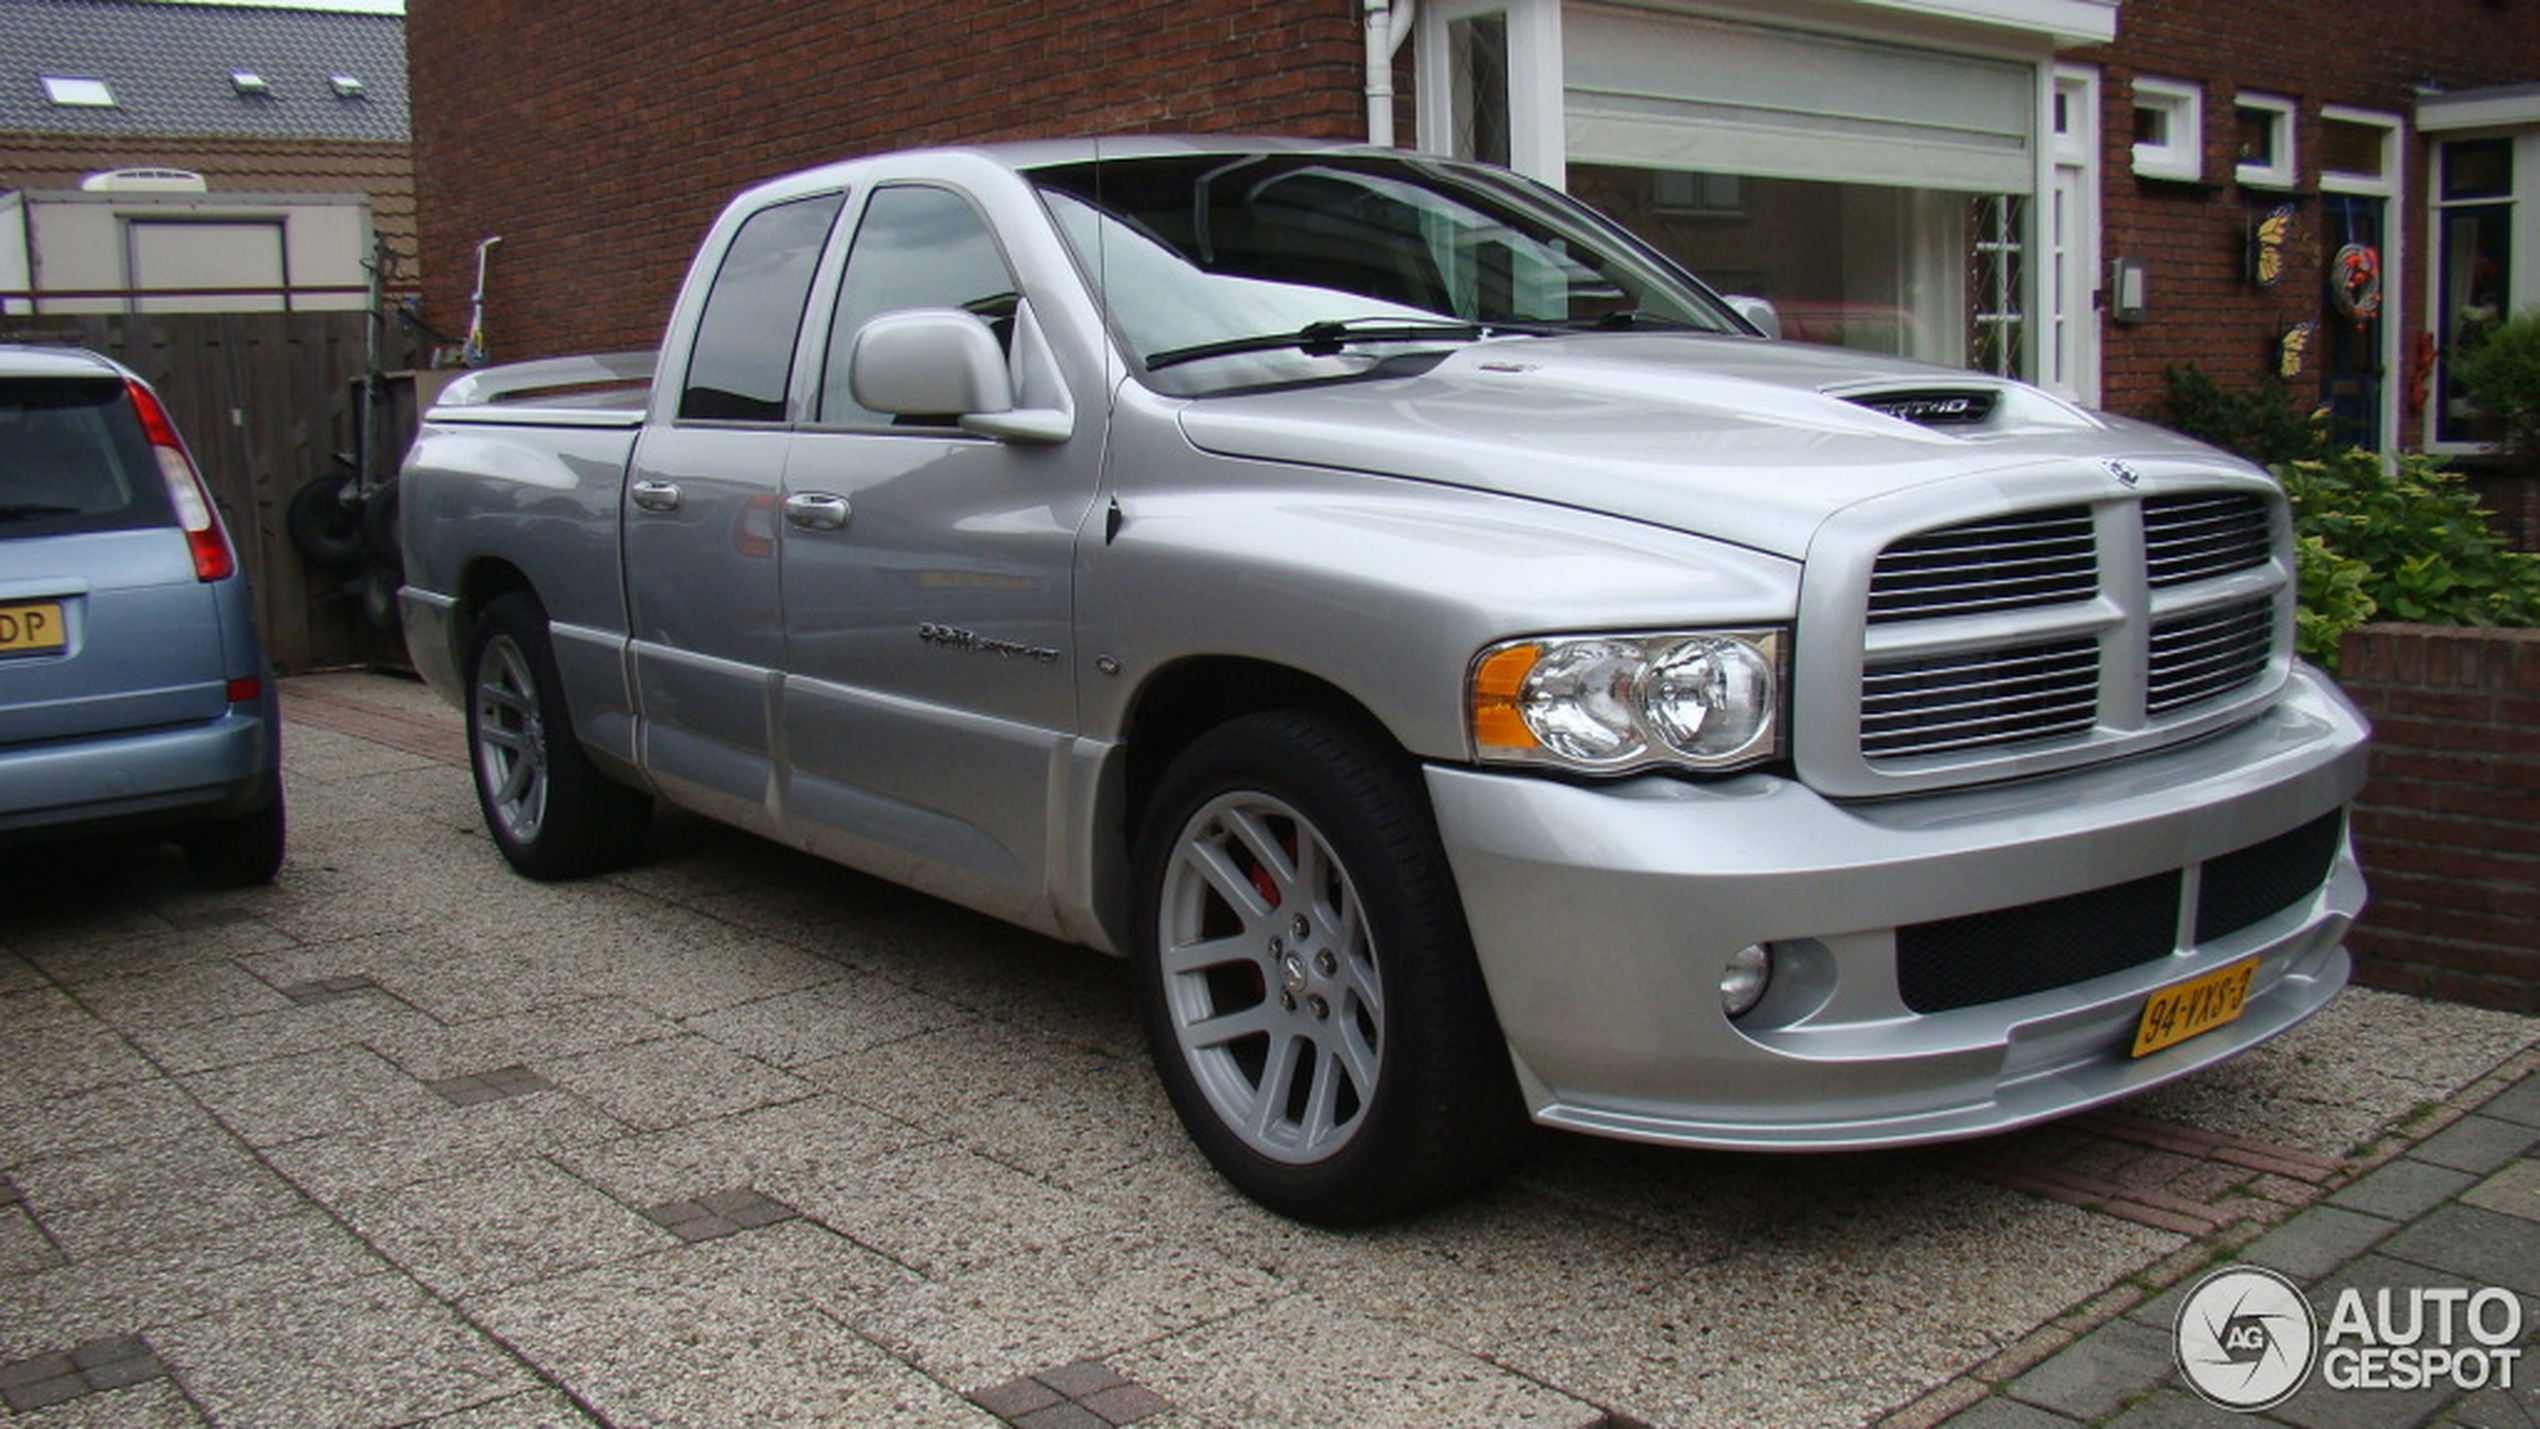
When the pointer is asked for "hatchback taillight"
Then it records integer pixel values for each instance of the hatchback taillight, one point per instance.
(213, 557)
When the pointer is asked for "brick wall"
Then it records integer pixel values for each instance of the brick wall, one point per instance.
(2449, 827)
(2195, 235)
(599, 138)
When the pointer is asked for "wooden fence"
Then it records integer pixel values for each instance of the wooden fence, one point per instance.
(265, 400)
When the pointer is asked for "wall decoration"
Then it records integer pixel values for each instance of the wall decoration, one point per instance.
(2266, 245)
(2293, 350)
(2354, 282)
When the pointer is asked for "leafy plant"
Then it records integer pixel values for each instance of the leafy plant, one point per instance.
(2264, 423)
(2501, 374)
(2405, 541)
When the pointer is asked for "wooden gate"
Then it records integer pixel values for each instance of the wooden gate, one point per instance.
(265, 401)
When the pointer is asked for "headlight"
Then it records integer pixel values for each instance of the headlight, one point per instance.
(1611, 703)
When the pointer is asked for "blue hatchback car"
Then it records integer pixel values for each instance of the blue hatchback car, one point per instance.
(134, 692)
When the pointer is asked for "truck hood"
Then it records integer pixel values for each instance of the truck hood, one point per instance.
(1737, 439)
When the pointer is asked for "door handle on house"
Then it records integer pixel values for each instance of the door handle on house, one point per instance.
(818, 511)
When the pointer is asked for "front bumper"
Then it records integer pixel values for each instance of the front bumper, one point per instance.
(1604, 915)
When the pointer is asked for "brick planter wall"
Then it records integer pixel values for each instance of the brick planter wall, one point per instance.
(2449, 828)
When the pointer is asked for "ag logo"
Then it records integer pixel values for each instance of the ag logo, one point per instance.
(2246, 1338)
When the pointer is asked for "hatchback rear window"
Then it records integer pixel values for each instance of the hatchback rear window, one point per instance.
(73, 457)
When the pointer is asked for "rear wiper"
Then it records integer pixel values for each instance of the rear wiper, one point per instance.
(1326, 338)
(32, 511)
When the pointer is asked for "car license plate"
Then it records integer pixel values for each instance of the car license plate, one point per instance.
(2178, 1013)
(32, 628)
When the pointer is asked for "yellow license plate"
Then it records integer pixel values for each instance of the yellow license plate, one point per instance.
(32, 628)
(2178, 1013)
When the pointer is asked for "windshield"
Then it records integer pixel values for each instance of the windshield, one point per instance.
(1226, 271)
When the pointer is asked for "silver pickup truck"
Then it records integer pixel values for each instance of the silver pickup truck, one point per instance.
(1474, 673)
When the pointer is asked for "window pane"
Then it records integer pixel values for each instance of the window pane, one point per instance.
(1927, 273)
(2476, 276)
(915, 248)
(2258, 128)
(2348, 147)
(2478, 168)
(1479, 55)
(745, 342)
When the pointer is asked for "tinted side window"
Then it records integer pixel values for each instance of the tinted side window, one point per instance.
(73, 458)
(754, 312)
(915, 248)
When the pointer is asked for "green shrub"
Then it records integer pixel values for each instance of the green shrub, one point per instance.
(2265, 423)
(2405, 542)
(2501, 374)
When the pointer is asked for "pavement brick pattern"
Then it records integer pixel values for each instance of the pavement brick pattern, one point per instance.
(736, 1139)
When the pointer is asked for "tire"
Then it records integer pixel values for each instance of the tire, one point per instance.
(550, 810)
(238, 853)
(324, 528)
(1308, 984)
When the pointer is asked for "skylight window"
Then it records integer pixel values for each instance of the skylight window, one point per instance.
(72, 92)
(345, 86)
(247, 81)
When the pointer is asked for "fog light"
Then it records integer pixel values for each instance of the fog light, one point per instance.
(1743, 981)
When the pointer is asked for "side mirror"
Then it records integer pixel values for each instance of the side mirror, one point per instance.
(1758, 311)
(944, 363)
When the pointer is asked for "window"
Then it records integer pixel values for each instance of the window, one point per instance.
(2264, 125)
(1479, 46)
(1720, 195)
(744, 356)
(916, 247)
(2169, 129)
(74, 93)
(2357, 147)
(2474, 260)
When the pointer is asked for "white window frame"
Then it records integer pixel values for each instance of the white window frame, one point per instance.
(2180, 153)
(1537, 144)
(78, 92)
(2067, 223)
(2387, 182)
(2282, 171)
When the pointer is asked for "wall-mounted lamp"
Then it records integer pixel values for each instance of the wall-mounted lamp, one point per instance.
(2129, 289)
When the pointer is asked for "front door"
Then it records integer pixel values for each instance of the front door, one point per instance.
(927, 592)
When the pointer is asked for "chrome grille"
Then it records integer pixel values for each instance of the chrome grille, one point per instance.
(2035, 558)
(1982, 699)
(2108, 618)
(2197, 657)
(2194, 538)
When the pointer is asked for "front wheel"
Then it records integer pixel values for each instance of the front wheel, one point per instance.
(1309, 987)
(551, 812)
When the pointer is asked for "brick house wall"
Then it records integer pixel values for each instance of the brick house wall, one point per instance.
(2449, 827)
(2204, 309)
(600, 163)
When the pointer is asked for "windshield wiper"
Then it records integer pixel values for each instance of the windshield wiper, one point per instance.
(1326, 338)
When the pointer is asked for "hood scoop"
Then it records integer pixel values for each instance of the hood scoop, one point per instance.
(1945, 407)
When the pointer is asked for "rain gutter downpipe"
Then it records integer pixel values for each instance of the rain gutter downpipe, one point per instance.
(1388, 27)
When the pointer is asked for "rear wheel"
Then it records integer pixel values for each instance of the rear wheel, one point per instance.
(1310, 990)
(550, 810)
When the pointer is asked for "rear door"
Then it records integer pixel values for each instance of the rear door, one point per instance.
(700, 521)
(104, 627)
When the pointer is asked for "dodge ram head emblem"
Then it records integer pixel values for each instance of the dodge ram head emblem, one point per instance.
(2125, 474)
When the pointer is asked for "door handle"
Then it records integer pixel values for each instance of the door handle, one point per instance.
(655, 495)
(817, 511)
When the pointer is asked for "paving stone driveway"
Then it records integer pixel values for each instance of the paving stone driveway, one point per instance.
(735, 1139)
